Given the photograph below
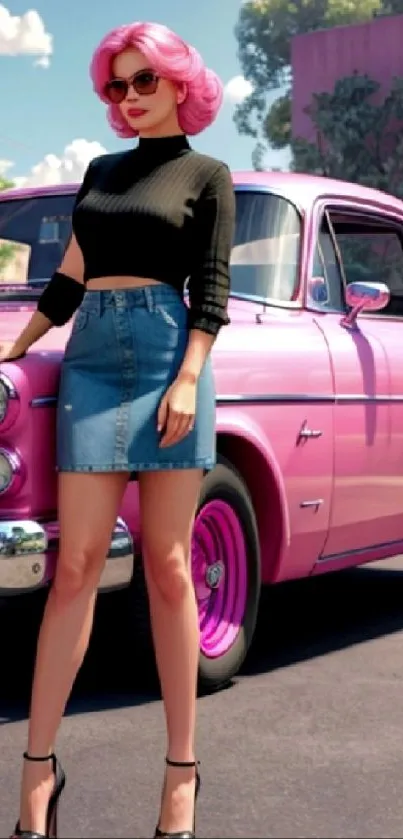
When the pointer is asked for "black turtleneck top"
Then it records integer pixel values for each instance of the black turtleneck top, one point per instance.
(165, 212)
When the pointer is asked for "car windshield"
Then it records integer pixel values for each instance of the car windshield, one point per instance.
(35, 230)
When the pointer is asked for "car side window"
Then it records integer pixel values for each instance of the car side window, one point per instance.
(328, 295)
(371, 249)
(265, 255)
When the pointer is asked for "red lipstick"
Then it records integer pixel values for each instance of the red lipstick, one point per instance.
(136, 112)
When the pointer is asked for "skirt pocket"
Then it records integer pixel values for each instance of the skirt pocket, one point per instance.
(166, 326)
(80, 321)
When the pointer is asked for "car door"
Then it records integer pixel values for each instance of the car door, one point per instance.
(371, 247)
(281, 366)
(361, 390)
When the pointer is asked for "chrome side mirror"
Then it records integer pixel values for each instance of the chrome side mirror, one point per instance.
(364, 297)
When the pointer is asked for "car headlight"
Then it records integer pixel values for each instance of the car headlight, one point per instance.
(12, 472)
(6, 472)
(3, 400)
(9, 402)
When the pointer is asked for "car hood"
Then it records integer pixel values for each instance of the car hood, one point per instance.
(41, 366)
(14, 318)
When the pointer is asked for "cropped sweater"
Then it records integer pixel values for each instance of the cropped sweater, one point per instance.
(161, 211)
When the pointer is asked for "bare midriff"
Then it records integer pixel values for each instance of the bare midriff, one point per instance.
(108, 283)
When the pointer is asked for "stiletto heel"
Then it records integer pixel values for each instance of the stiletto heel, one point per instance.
(183, 834)
(51, 816)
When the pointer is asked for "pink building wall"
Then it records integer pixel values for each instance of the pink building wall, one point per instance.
(320, 58)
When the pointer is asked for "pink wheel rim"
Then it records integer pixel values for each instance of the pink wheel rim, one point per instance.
(220, 575)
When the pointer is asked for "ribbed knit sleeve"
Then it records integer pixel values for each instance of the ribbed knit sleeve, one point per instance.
(209, 282)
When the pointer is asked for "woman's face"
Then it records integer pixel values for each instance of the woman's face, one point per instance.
(150, 114)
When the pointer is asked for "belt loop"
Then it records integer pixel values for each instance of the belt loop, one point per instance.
(92, 302)
(119, 298)
(101, 303)
(149, 298)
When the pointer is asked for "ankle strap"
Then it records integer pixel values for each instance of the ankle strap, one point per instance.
(182, 763)
(39, 759)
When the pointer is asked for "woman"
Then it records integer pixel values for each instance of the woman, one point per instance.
(136, 390)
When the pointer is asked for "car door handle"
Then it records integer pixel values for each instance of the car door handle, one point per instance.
(309, 433)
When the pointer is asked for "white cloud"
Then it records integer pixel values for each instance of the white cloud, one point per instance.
(5, 165)
(68, 168)
(25, 35)
(237, 89)
(44, 62)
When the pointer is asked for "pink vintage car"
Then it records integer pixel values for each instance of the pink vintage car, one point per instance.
(309, 379)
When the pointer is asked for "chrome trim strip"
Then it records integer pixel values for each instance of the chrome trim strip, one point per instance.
(275, 398)
(266, 301)
(13, 403)
(304, 398)
(43, 401)
(9, 386)
(361, 551)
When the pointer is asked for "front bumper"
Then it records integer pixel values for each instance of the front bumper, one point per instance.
(28, 553)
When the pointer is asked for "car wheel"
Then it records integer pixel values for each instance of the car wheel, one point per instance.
(226, 575)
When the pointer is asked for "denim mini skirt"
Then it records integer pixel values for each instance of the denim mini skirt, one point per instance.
(124, 351)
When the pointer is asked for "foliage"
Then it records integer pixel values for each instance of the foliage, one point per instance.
(7, 253)
(4, 183)
(356, 136)
(264, 32)
(277, 124)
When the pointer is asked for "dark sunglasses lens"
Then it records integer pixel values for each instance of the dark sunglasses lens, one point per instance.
(116, 91)
(146, 83)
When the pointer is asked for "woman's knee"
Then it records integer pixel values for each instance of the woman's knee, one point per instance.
(168, 568)
(77, 570)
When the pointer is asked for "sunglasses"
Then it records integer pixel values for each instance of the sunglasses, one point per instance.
(144, 82)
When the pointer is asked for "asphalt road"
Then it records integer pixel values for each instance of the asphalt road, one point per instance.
(307, 743)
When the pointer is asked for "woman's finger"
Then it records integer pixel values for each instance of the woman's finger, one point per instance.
(182, 428)
(172, 425)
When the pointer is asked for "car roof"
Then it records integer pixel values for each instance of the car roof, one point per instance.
(302, 189)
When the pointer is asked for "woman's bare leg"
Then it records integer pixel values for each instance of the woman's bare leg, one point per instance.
(168, 505)
(88, 506)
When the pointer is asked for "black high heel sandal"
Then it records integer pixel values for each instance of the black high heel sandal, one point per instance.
(51, 817)
(183, 834)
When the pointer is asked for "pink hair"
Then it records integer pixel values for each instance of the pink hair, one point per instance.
(173, 59)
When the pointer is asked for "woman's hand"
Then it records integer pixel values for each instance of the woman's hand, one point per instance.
(177, 410)
(9, 351)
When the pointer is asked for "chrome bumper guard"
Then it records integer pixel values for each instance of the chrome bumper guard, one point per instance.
(28, 552)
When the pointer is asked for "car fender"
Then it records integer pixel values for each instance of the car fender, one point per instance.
(261, 474)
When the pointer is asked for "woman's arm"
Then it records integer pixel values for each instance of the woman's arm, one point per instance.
(57, 303)
(62, 295)
(209, 282)
(209, 286)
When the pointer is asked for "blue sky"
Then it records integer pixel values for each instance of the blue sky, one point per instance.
(49, 108)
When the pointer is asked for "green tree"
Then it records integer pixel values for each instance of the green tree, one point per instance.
(4, 183)
(264, 31)
(355, 138)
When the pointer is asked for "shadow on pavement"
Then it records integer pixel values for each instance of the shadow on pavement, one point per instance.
(308, 618)
(298, 621)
